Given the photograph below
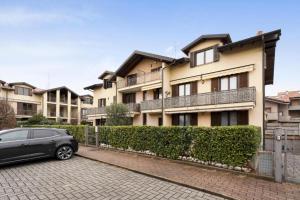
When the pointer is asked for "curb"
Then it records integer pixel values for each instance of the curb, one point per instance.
(160, 178)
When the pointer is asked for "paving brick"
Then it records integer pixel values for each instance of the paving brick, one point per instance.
(80, 178)
(225, 183)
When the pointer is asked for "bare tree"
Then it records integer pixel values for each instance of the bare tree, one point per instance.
(7, 116)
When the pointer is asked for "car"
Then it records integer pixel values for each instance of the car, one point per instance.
(23, 144)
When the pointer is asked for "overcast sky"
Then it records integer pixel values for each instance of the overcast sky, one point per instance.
(50, 43)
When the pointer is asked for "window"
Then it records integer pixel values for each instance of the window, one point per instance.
(185, 119)
(101, 102)
(204, 57)
(144, 119)
(200, 58)
(144, 95)
(185, 89)
(209, 56)
(43, 133)
(229, 83)
(129, 98)
(229, 118)
(23, 91)
(131, 79)
(26, 108)
(14, 136)
(224, 83)
(157, 93)
(156, 69)
(160, 122)
(107, 84)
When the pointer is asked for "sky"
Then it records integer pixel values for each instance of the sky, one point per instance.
(51, 43)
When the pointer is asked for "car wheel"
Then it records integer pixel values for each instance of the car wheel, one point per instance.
(64, 152)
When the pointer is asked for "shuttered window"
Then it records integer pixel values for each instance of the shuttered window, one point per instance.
(129, 98)
(189, 119)
(229, 118)
(23, 91)
(229, 82)
(101, 102)
(204, 56)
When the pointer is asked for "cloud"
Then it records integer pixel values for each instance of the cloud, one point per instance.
(23, 16)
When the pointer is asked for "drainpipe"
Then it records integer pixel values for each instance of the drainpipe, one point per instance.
(162, 89)
(263, 89)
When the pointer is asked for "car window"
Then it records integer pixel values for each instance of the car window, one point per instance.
(43, 133)
(14, 135)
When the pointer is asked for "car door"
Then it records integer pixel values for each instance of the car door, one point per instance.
(42, 142)
(14, 145)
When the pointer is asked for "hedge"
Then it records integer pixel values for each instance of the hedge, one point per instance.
(76, 130)
(233, 145)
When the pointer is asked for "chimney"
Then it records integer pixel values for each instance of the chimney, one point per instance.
(259, 32)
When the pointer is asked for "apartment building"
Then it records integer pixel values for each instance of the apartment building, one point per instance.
(219, 82)
(58, 104)
(285, 107)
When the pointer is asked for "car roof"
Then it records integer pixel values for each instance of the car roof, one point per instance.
(26, 128)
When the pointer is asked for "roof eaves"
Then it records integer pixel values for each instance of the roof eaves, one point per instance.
(225, 37)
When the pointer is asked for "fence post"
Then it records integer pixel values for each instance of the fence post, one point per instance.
(97, 136)
(86, 134)
(278, 155)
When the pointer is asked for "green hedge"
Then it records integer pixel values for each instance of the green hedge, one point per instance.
(233, 145)
(76, 130)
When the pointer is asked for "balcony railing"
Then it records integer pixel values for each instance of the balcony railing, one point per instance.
(52, 99)
(63, 99)
(26, 112)
(74, 101)
(272, 116)
(212, 98)
(140, 79)
(294, 107)
(151, 104)
(132, 107)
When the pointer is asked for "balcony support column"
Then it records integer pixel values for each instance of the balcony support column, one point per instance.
(45, 104)
(69, 107)
(57, 105)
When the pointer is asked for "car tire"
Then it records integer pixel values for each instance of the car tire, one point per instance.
(64, 152)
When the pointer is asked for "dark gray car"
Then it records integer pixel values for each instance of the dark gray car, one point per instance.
(24, 144)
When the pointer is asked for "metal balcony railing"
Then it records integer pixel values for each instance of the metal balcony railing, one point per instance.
(212, 98)
(151, 104)
(26, 112)
(132, 107)
(272, 116)
(139, 79)
(294, 107)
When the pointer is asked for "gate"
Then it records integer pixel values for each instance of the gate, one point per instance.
(91, 138)
(282, 152)
(291, 149)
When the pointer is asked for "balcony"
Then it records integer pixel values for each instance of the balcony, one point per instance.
(139, 80)
(297, 107)
(132, 107)
(149, 105)
(74, 101)
(52, 99)
(274, 116)
(212, 98)
(26, 112)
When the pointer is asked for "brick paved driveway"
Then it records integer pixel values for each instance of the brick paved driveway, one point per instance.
(80, 178)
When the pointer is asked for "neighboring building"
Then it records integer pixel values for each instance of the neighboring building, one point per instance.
(285, 107)
(103, 94)
(58, 104)
(220, 83)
